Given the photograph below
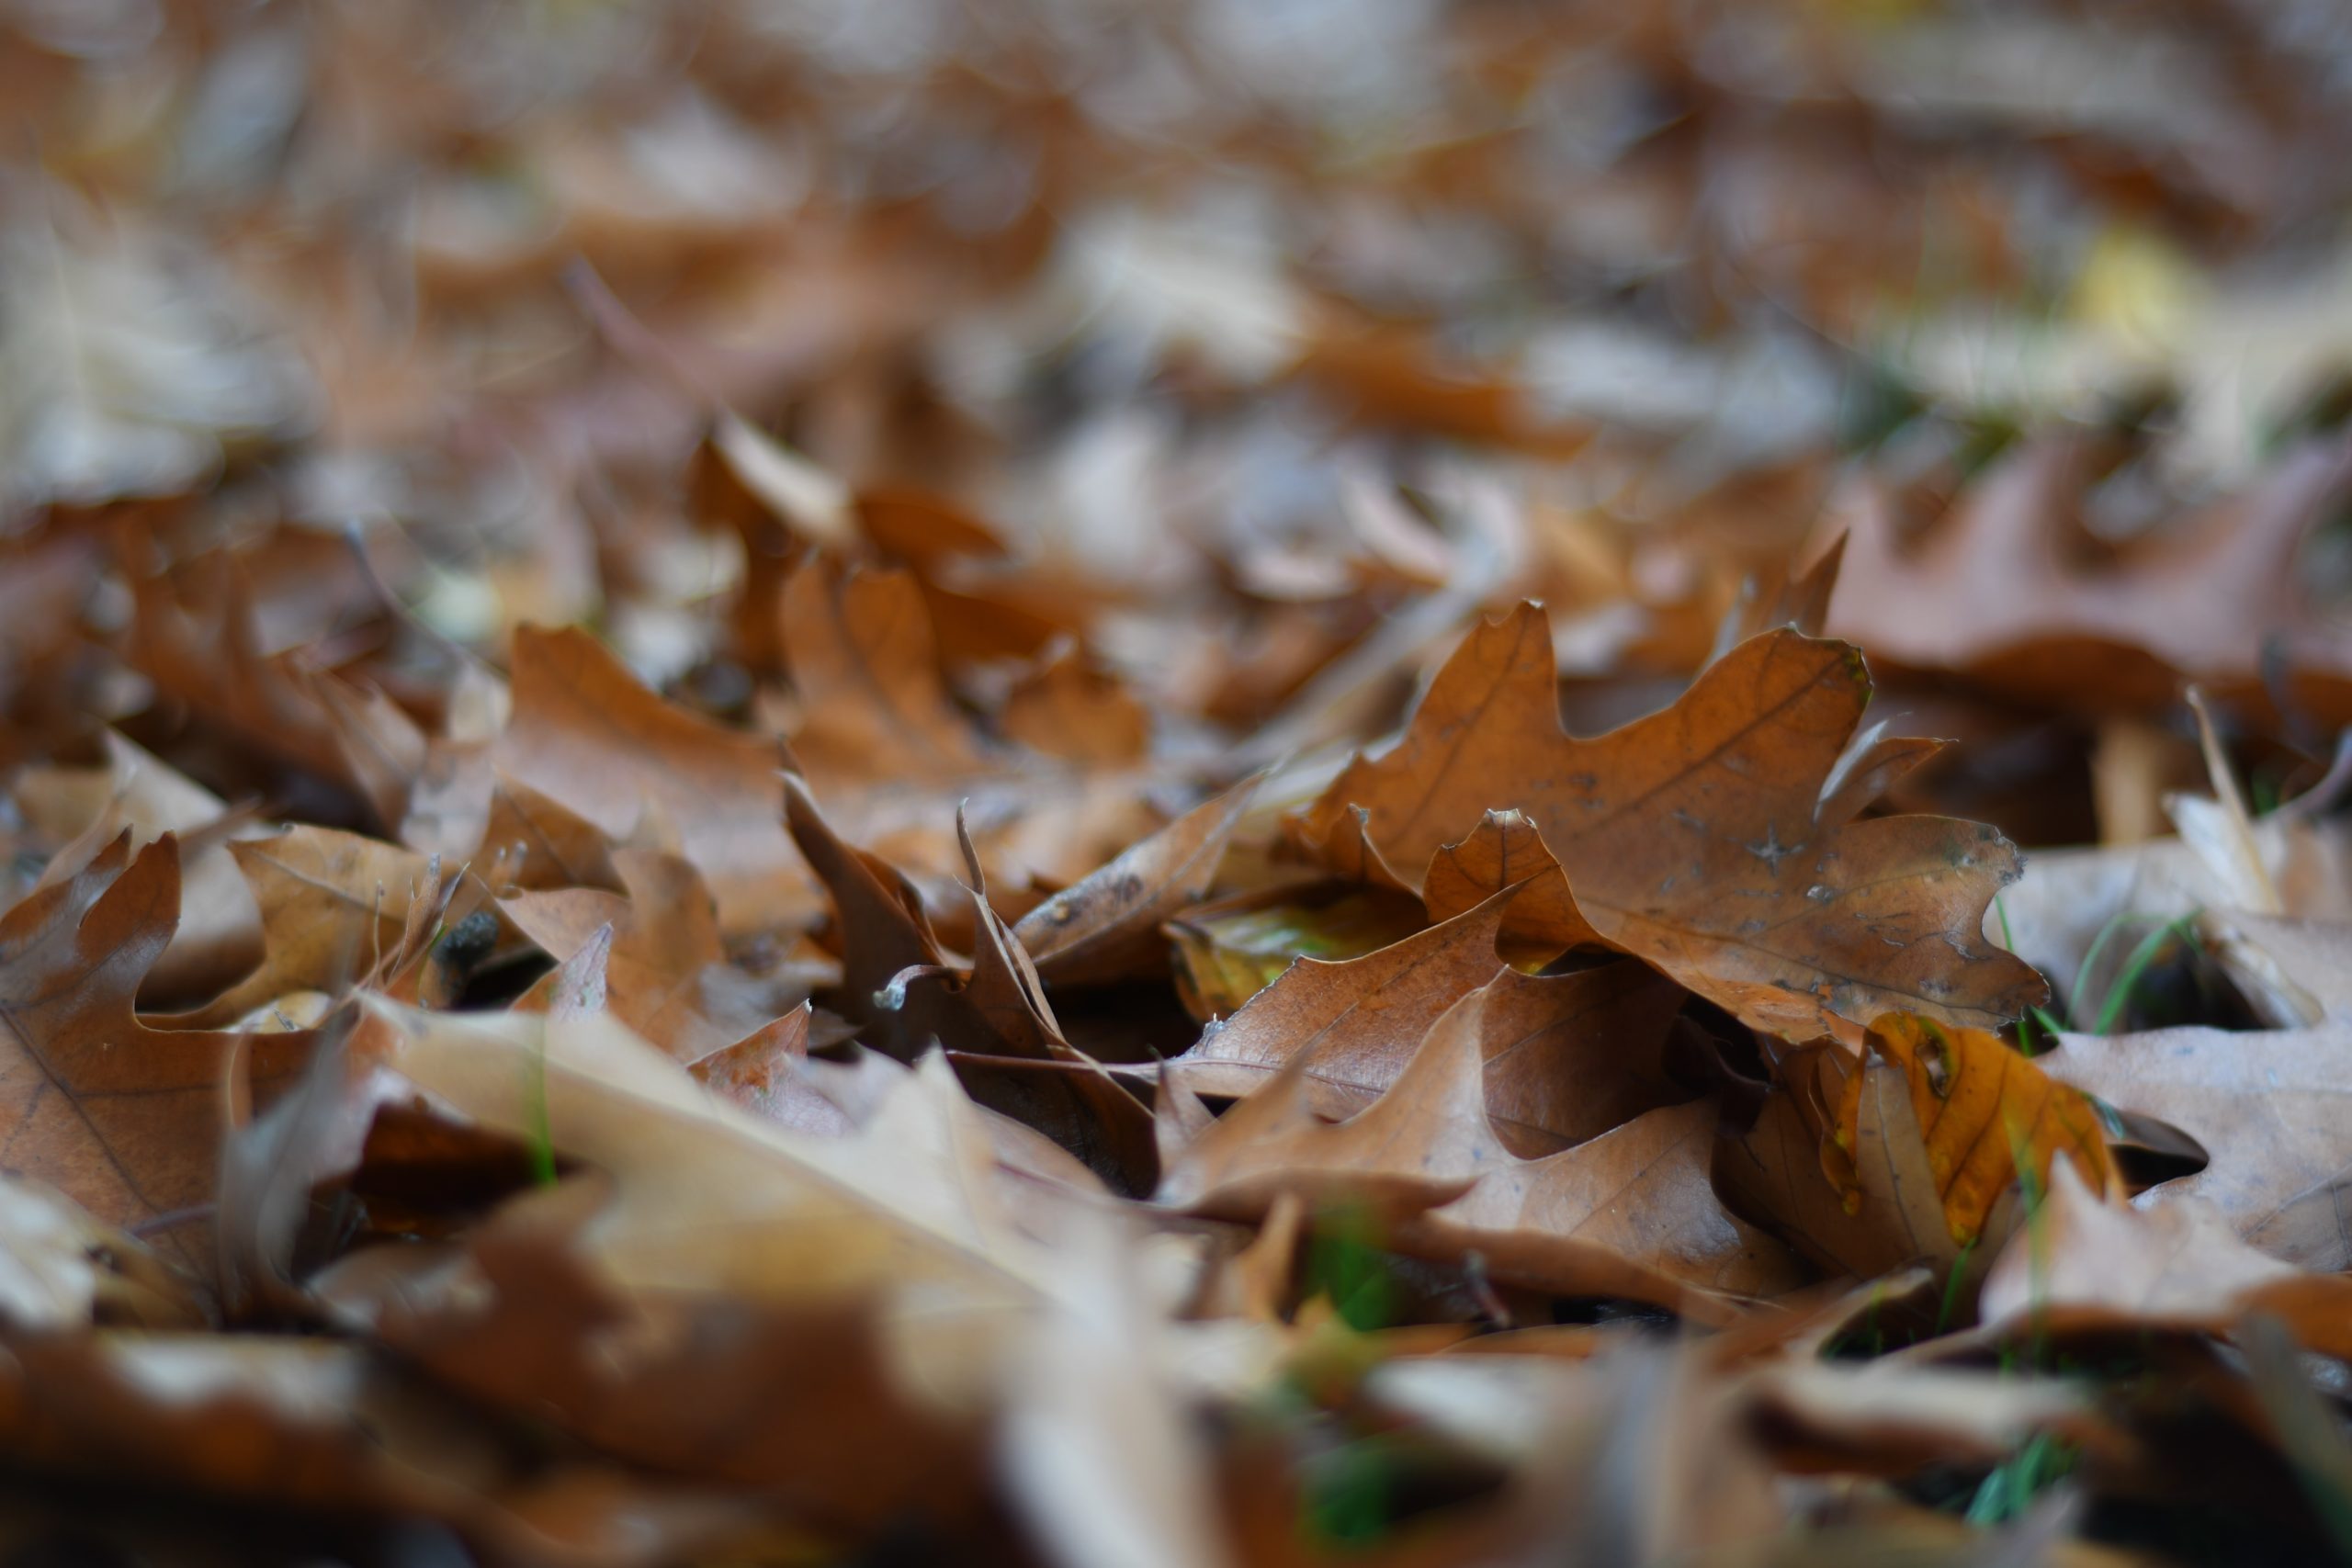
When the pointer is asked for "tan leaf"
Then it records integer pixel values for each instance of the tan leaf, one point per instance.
(665, 972)
(2170, 1262)
(873, 704)
(1628, 1212)
(334, 908)
(2270, 1108)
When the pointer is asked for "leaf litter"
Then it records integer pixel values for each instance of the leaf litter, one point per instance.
(1407, 784)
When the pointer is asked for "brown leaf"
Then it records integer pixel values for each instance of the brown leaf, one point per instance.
(1993, 593)
(2268, 1108)
(1570, 1057)
(1067, 707)
(274, 1422)
(2172, 1262)
(1981, 1105)
(1106, 926)
(82, 810)
(873, 704)
(1505, 851)
(123, 1119)
(878, 919)
(1866, 1207)
(1226, 952)
(1700, 839)
(665, 972)
(585, 734)
(1355, 1023)
(1629, 1213)
(535, 841)
(334, 908)
(61, 1270)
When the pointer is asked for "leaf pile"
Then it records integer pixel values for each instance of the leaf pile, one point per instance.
(1140, 785)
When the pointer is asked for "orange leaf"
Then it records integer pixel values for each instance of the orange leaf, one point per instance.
(1980, 1106)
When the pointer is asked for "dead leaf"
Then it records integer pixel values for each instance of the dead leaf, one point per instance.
(1229, 951)
(334, 908)
(1712, 840)
(1993, 596)
(1069, 707)
(2174, 1263)
(1106, 926)
(1984, 1109)
(873, 704)
(122, 1118)
(665, 972)
(61, 1270)
(2266, 1106)
(587, 735)
(1355, 1023)
(1629, 1213)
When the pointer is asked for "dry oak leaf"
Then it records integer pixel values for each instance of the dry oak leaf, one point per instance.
(885, 1266)
(280, 1422)
(122, 1118)
(1067, 708)
(1981, 1105)
(859, 645)
(1506, 851)
(333, 906)
(1866, 1210)
(83, 809)
(1907, 1156)
(62, 1269)
(587, 735)
(2172, 1262)
(1713, 840)
(1629, 1213)
(1010, 1055)
(193, 633)
(2271, 1108)
(664, 971)
(1227, 951)
(1106, 926)
(1357, 1022)
(1992, 593)
(531, 843)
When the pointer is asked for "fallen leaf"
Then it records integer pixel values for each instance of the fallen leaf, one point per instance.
(2266, 1106)
(334, 908)
(334, 1427)
(1507, 851)
(1629, 1213)
(122, 1118)
(1992, 593)
(1106, 926)
(83, 810)
(1984, 1109)
(1703, 839)
(1356, 1023)
(665, 972)
(1227, 952)
(1070, 708)
(1856, 1193)
(61, 1270)
(2176, 1262)
(873, 704)
(587, 735)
